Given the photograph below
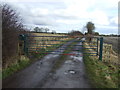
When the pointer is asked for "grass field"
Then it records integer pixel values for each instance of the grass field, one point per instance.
(48, 34)
(113, 41)
(37, 43)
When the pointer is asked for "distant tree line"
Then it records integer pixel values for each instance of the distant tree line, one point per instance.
(94, 33)
(37, 29)
(111, 35)
(43, 30)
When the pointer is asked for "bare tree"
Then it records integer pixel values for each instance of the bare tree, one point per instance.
(46, 30)
(37, 29)
(11, 26)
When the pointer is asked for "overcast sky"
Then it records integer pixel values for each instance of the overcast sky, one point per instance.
(67, 15)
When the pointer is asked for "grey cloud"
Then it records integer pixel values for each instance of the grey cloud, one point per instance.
(108, 31)
(112, 23)
(51, 18)
(31, 18)
(54, 5)
(41, 19)
(65, 16)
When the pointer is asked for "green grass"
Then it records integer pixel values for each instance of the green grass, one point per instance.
(101, 75)
(15, 67)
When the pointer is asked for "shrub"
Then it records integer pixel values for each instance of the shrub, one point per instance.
(11, 27)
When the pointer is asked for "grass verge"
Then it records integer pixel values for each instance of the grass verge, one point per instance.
(23, 62)
(100, 74)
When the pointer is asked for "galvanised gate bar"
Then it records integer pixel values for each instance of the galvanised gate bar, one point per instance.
(48, 44)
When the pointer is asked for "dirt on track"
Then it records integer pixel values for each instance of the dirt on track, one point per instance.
(38, 75)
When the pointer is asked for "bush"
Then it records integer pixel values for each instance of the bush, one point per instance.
(11, 27)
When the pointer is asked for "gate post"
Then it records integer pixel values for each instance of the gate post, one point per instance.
(25, 44)
(24, 39)
(101, 48)
(97, 46)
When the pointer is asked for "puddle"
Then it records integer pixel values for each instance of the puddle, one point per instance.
(72, 71)
(83, 39)
(75, 58)
(48, 56)
(65, 73)
(68, 62)
(80, 54)
(51, 56)
(55, 55)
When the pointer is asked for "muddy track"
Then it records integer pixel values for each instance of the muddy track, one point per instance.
(36, 74)
(71, 74)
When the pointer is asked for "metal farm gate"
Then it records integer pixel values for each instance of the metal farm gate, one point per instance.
(93, 47)
(49, 44)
